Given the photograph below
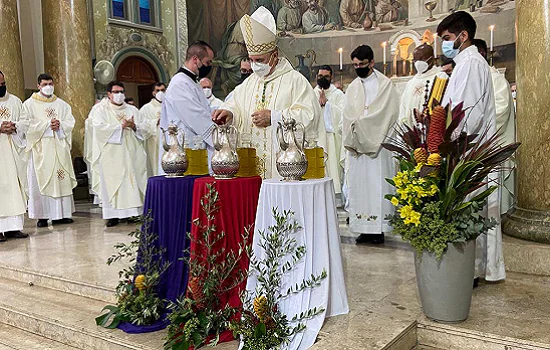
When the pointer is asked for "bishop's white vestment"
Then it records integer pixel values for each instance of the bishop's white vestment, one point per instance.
(287, 94)
(13, 178)
(506, 125)
(371, 110)
(50, 172)
(332, 118)
(151, 113)
(122, 159)
(414, 95)
(214, 102)
(471, 83)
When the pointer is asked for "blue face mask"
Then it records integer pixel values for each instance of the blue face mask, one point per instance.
(448, 48)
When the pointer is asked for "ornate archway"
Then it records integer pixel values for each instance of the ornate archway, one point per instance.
(138, 76)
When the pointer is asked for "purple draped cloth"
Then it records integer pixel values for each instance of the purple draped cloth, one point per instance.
(169, 203)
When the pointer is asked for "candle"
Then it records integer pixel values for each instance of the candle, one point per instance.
(492, 29)
(340, 51)
(384, 50)
(435, 45)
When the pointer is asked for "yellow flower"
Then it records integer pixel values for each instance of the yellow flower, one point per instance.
(434, 159)
(140, 282)
(261, 307)
(410, 216)
(395, 201)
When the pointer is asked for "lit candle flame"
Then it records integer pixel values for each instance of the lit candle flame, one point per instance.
(340, 50)
(491, 28)
(384, 44)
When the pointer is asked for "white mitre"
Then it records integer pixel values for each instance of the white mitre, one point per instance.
(259, 31)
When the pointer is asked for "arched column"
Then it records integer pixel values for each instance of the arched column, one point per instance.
(11, 63)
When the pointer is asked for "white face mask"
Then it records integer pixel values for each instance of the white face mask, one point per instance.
(160, 96)
(262, 69)
(514, 94)
(207, 92)
(421, 66)
(47, 90)
(119, 98)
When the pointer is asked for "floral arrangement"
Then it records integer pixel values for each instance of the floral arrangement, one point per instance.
(138, 302)
(198, 318)
(262, 325)
(443, 179)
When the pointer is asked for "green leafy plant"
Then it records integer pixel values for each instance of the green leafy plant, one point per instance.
(263, 325)
(443, 182)
(198, 318)
(138, 301)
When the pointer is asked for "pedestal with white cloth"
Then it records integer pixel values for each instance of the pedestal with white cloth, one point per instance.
(313, 204)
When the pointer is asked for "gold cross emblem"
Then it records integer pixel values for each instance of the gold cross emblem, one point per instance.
(120, 117)
(61, 174)
(51, 113)
(5, 113)
(418, 90)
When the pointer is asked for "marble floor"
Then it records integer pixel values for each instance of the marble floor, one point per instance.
(380, 282)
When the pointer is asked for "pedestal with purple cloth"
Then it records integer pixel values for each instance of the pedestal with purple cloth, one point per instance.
(169, 204)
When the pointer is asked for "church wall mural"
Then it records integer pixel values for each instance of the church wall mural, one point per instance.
(317, 32)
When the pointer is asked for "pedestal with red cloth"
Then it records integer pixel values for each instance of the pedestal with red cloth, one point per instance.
(169, 202)
(238, 201)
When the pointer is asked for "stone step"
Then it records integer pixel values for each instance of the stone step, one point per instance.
(12, 338)
(526, 256)
(65, 318)
(43, 279)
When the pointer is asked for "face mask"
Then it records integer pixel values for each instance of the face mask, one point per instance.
(204, 71)
(449, 50)
(421, 66)
(323, 83)
(207, 92)
(47, 90)
(513, 94)
(262, 69)
(119, 98)
(3, 90)
(362, 72)
(244, 76)
(160, 96)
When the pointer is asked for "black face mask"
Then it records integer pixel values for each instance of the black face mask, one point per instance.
(323, 83)
(362, 72)
(3, 90)
(244, 76)
(204, 71)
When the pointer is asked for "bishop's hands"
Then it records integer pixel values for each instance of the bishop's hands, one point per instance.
(262, 118)
(222, 116)
(8, 127)
(55, 124)
(129, 123)
(323, 98)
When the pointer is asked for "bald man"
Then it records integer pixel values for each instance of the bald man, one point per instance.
(206, 85)
(415, 91)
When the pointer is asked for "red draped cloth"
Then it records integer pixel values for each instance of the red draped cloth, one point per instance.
(238, 201)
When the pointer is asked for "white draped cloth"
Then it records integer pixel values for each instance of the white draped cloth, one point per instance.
(414, 95)
(472, 84)
(13, 178)
(151, 113)
(332, 118)
(371, 110)
(121, 164)
(214, 102)
(313, 204)
(50, 172)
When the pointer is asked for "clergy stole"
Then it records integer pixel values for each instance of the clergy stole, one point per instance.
(288, 95)
(51, 151)
(122, 158)
(364, 133)
(150, 113)
(13, 178)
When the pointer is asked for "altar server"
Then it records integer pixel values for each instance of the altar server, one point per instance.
(185, 103)
(414, 95)
(13, 177)
(118, 132)
(151, 113)
(331, 101)
(50, 172)
(471, 84)
(275, 90)
(370, 111)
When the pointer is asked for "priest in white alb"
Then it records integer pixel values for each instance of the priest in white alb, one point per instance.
(331, 101)
(119, 131)
(275, 90)
(13, 198)
(371, 109)
(185, 104)
(91, 153)
(50, 172)
(414, 95)
(151, 113)
(472, 85)
(506, 126)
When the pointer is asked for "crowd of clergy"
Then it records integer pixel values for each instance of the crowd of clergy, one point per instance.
(122, 146)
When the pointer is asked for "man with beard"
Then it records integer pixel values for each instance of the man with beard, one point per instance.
(289, 18)
(315, 19)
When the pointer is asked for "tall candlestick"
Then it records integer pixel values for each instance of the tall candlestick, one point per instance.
(340, 51)
(492, 29)
(384, 50)
(435, 46)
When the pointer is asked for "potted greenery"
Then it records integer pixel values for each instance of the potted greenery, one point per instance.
(441, 188)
